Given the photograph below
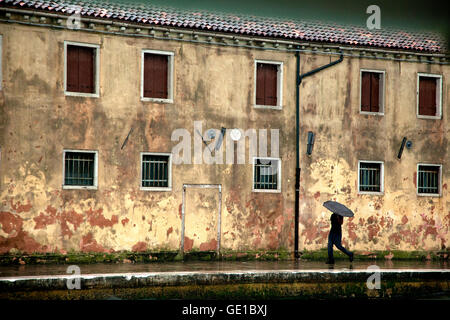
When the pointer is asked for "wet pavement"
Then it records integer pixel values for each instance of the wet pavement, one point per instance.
(218, 266)
(225, 279)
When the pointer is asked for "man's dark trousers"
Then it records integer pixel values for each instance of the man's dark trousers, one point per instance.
(335, 238)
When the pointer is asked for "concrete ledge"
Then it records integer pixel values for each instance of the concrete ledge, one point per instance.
(230, 285)
(168, 256)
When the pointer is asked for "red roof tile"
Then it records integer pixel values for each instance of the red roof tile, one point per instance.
(242, 24)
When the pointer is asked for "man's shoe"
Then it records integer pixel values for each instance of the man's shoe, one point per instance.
(351, 257)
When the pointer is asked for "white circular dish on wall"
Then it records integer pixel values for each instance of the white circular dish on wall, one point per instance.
(235, 134)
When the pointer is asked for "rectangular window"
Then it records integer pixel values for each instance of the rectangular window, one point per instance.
(268, 77)
(81, 69)
(157, 73)
(370, 177)
(266, 174)
(372, 91)
(156, 171)
(429, 179)
(429, 97)
(80, 169)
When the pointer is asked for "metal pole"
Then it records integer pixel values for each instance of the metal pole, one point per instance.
(299, 78)
(297, 158)
(182, 221)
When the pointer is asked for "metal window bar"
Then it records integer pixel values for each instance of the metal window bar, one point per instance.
(155, 171)
(370, 177)
(79, 169)
(428, 179)
(266, 178)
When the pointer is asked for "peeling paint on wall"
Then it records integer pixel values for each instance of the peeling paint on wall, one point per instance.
(37, 122)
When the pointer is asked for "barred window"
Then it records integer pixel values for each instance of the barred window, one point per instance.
(266, 174)
(428, 180)
(80, 168)
(156, 171)
(370, 176)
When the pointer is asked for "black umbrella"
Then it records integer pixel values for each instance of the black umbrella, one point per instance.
(338, 208)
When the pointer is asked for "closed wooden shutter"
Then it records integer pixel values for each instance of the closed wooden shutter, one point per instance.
(86, 69)
(375, 92)
(271, 85)
(365, 91)
(427, 96)
(260, 84)
(370, 91)
(72, 69)
(155, 76)
(266, 84)
(80, 69)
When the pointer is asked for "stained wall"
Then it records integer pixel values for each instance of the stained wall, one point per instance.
(215, 85)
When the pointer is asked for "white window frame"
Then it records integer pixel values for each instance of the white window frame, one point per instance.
(382, 93)
(278, 190)
(169, 178)
(279, 105)
(381, 192)
(440, 181)
(95, 186)
(96, 94)
(170, 56)
(438, 95)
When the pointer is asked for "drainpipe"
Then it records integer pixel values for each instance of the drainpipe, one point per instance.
(299, 78)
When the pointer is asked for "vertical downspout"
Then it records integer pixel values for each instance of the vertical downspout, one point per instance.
(299, 77)
(297, 155)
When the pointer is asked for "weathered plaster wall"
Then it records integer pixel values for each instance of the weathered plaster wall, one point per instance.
(211, 84)
(214, 85)
(399, 219)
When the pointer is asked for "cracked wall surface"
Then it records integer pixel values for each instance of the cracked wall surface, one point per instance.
(214, 85)
(399, 219)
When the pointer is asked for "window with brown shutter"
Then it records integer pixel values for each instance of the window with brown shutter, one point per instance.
(371, 91)
(80, 69)
(266, 84)
(155, 76)
(427, 96)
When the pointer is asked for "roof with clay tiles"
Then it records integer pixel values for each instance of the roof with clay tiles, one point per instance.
(315, 31)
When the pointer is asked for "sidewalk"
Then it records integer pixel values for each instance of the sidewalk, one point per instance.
(106, 268)
(227, 280)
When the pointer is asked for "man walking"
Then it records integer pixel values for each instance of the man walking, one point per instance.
(335, 237)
